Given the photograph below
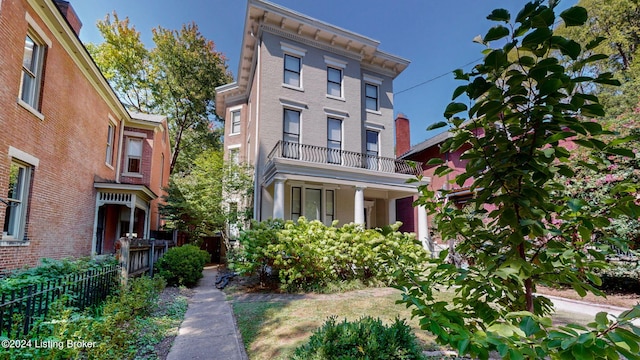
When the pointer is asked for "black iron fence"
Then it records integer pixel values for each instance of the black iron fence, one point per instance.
(21, 308)
(318, 154)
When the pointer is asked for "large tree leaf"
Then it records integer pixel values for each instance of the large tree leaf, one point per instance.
(574, 16)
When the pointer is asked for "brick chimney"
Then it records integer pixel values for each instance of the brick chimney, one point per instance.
(403, 135)
(72, 18)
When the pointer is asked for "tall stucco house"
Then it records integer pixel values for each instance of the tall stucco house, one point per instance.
(77, 170)
(312, 112)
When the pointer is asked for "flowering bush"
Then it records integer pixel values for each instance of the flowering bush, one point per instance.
(308, 255)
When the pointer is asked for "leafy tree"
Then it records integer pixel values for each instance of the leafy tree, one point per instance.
(176, 78)
(125, 63)
(618, 22)
(196, 199)
(187, 71)
(522, 229)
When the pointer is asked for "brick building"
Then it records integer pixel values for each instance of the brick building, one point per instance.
(312, 112)
(76, 169)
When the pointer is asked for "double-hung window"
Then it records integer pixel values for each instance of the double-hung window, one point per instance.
(111, 130)
(310, 202)
(371, 97)
(291, 134)
(134, 155)
(15, 215)
(334, 82)
(372, 150)
(292, 70)
(32, 64)
(334, 141)
(235, 122)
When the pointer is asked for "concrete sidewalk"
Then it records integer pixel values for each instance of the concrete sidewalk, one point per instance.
(209, 330)
(586, 308)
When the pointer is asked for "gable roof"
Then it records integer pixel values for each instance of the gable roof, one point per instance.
(430, 142)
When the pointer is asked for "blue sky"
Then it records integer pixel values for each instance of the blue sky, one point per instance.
(435, 35)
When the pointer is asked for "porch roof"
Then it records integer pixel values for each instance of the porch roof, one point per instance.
(140, 191)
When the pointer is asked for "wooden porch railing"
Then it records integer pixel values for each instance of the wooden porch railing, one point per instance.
(138, 256)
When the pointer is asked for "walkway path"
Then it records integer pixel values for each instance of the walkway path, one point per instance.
(209, 329)
(586, 308)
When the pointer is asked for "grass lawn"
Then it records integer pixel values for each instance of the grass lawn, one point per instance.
(272, 329)
(272, 326)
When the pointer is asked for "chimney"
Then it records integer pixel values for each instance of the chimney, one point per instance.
(403, 135)
(72, 18)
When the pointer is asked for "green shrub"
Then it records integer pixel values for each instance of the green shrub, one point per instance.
(366, 338)
(114, 329)
(51, 269)
(307, 255)
(182, 265)
(620, 277)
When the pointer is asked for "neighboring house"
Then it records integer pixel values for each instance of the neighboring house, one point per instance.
(312, 111)
(77, 171)
(423, 152)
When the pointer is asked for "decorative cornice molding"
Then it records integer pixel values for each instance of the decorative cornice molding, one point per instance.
(303, 40)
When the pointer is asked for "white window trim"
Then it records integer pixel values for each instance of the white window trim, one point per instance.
(293, 105)
(126, 157)
(29, 161)
(372, 79)
(335, 63)
(371, 111)
(112, 122)
(374, 126)
(336, 113)
(292, 50)
(300, 110)
(231, 111)
(38, 30)
(135, 134)
(323, 198)
(23, 156)
(30, 108)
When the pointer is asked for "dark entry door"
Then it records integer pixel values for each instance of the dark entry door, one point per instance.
(212, 245)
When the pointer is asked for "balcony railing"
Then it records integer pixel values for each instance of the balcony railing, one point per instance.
(323, 155)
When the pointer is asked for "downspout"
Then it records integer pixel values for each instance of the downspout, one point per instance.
(119, 157)
(257, 189)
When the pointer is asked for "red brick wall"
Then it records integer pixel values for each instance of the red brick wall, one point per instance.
(147, 156)
(159, 172)
(70, 144)
(403, 135)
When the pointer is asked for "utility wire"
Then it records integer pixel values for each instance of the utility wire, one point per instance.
(438, 77)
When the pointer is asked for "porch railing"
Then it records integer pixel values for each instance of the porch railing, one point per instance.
(324, 155)
(138, 256)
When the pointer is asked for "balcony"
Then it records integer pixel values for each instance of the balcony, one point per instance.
(324, 155)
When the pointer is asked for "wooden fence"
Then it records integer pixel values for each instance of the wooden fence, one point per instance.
(138, 256)
(20, 308)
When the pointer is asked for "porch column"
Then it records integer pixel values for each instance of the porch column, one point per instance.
(392, 211)
(132, 215)
(278, 198)
(94, 241)
(423, 228)
(147, 219)
(358, 207)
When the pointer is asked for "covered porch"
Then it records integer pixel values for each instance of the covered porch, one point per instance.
(328, 191)
(122, 210)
